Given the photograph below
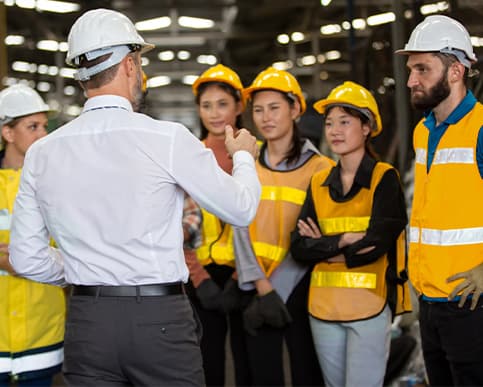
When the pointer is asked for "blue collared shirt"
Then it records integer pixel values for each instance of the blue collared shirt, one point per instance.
(437, 132)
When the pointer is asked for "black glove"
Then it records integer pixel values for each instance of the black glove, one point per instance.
(273, 310)
(232, 296)
(210, 295)
(252, 317)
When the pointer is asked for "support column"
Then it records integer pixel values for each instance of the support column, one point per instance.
(403, 113)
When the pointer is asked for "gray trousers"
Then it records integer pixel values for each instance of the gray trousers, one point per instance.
(141, 341)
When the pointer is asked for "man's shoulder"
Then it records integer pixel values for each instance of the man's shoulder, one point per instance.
(145, 122)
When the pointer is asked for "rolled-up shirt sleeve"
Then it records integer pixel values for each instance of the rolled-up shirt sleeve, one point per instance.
(233, 198)
(29, 252)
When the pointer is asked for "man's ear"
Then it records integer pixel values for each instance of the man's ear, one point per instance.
(456, 72)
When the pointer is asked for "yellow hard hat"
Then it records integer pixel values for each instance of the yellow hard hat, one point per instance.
(273, 79)
(220, 73)
(352, 95)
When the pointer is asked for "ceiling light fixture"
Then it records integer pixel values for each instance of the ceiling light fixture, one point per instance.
(207, 59)
(195, 22)
(283, 39)
(381, 18)
(160, 80)
(189, 79)
(56, 6)
(48, 45)
(434, 8)
(14, 40)
(153, 24)
(297, 36)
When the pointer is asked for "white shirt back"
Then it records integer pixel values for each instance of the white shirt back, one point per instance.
(106, 187)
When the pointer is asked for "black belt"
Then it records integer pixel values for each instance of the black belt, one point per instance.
(128, 291)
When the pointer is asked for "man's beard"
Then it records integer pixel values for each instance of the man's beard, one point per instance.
(139, 97)
(433, 97)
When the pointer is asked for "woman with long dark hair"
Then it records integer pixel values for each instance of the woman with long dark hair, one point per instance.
(278, 308)
(218, 93)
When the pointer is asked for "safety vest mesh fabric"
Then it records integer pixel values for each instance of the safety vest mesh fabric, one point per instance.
(338, 293)
(217, 241)
(283, 193)
(446, 226)
(32, 314)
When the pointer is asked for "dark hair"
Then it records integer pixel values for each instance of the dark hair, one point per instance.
(228, 89)
(295, 150)
(364, 121)
(448, 60)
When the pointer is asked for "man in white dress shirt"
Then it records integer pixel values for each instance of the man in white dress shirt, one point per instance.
(108, 187)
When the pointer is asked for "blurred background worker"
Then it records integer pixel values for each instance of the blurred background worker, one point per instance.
(218, 93)
(353, 218)
(118, 178)
(285, 166)
(446, 237)
(31, 313)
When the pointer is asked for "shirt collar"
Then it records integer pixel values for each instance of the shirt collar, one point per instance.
(457, 114)
(308, 149)
(363, 175)
(107, 101)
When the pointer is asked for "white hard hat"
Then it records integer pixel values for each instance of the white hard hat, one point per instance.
(439, 33)
(99, 32)
(18, 101)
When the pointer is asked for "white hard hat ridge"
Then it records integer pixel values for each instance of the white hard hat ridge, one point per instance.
(18, 101)
(100, 29)
(439, 33)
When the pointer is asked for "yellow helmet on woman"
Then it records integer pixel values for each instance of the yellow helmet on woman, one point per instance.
(220, 73)
(352, 95)
(273, 79)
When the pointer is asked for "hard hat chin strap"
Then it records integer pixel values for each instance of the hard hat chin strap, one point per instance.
(460, 55)
(118, 53)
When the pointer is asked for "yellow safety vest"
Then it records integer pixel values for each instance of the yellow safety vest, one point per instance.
(338, 293)
(283, 193)
(216, 241)
(31, 313)
(446, 234)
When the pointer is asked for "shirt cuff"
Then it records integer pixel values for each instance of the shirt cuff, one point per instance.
(242, 156)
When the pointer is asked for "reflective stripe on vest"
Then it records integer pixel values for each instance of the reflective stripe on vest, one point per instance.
(5, 219)
(420, 156)
(332, 226)
(272, 252)
(343, 279)
(446, 156)
(456, 237)
(5, 364)
(287, 194)
(454, 156)
(37, 361)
